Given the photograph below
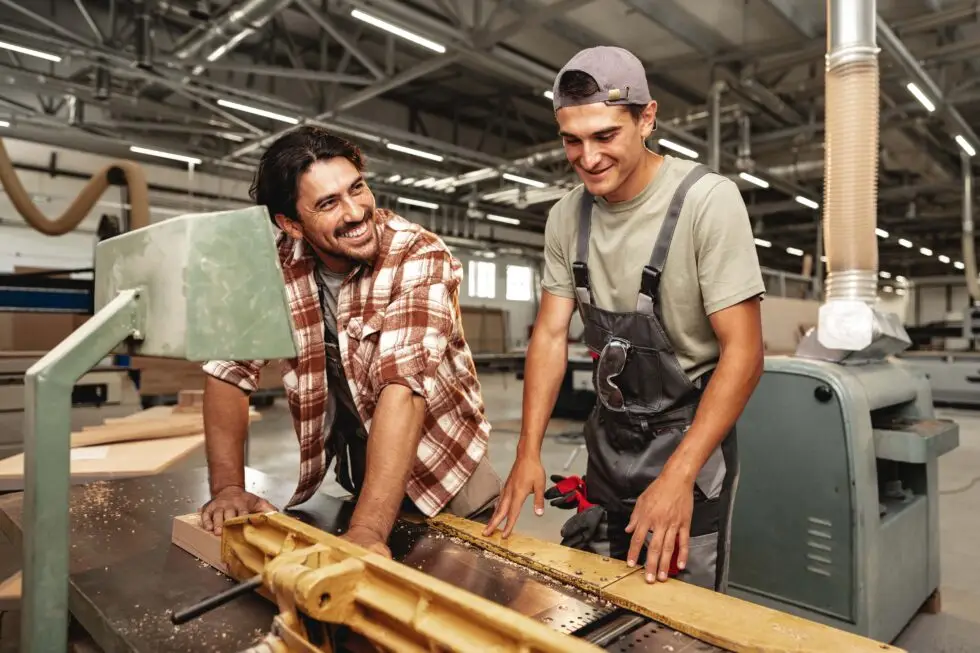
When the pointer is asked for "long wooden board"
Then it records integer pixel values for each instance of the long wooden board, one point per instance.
(725, 621)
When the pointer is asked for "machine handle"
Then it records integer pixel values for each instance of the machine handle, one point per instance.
(216, 601)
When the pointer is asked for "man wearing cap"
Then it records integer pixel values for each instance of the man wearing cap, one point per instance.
(657, 253)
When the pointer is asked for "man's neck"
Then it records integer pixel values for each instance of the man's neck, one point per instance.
(641, 176)
(336, 264)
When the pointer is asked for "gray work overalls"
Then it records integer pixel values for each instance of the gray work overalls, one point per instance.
(645, 404)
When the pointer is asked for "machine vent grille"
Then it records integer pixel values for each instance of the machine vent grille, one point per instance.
(819, 546)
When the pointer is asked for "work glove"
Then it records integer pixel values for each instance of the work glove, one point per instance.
(568, 492)
(580, 531)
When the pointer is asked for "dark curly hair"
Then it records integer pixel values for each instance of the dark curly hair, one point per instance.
(276, 182)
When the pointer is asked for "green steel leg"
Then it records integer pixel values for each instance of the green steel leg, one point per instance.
(48, 386)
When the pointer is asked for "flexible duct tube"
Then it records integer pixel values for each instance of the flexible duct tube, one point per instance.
(969, 255)
(851, 156)
(139, 197)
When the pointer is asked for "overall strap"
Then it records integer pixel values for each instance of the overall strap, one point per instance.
(648, 301)
(580, 269)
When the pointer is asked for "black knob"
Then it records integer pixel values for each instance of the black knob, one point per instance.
(823, 394)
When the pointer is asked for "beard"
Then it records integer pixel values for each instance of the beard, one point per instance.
(358, 242)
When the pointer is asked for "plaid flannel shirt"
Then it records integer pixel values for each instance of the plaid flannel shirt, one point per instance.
(397, 322)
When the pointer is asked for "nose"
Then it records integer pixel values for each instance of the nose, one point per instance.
(354, 212)
(591, 156)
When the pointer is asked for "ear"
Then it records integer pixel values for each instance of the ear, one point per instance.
(649, 119)
(290, 226)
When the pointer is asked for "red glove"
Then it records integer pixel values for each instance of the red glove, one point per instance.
(568, 492)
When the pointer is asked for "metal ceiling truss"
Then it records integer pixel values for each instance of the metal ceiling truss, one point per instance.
(168, 86)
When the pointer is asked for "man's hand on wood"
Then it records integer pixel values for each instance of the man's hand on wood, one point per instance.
(229, 502)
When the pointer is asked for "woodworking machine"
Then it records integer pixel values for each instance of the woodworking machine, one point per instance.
(193, 287)
(837, 514)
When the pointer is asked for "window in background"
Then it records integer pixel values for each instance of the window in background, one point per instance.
(483, 279)
(518, 283)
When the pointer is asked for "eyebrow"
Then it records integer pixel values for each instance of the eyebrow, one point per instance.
(607, 131)
(326, 198)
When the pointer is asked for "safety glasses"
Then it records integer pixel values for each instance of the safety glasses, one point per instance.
(612, 362)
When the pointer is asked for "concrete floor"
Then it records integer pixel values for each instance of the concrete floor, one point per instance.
(955, 630)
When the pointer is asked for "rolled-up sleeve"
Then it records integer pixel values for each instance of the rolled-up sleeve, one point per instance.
(244, 374)
(419, 323)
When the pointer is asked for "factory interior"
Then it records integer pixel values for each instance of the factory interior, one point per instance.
(130, 135)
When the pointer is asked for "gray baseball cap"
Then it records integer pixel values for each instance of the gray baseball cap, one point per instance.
(618, 72)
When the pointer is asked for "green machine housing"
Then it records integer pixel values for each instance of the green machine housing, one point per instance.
(836, 516)
(194, 287)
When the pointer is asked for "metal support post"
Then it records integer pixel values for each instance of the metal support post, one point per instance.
(47, 469)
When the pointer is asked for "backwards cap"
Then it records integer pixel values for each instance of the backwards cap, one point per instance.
(618, 73)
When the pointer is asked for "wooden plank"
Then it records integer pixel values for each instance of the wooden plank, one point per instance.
(722, 620)
(190, 535)
(732, 623)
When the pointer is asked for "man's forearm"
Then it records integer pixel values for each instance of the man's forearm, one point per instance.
(544, 370)
(735, 378)
(225, 429)
(391, 449)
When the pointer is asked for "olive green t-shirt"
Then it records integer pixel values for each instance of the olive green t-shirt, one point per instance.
(712, 262)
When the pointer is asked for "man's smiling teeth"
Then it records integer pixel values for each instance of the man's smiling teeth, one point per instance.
(356, 232)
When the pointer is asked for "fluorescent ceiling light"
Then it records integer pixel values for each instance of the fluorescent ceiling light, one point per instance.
(525, 180)
(905, 243)
(752, 179)
(882, 233)
(943, 258)
(413, 152)
(500, 218)
(901, 279)
(794, 251)
(397, 31)
(900, 292)
(671, 145)
(165, 155)
(807, 202)
(32, 53)
(885, 275)
(965, 145)
(762, 243)
(921, 97)
(887, 288)
(4, 123)
(420, 203)
(958, 265)
(549, 94)
(925, 251)
(259, 112)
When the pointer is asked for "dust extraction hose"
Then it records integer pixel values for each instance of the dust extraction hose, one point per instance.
(851, 156)
(139, 197)
(969, 253)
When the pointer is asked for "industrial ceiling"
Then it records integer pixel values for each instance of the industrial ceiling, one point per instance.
(447, 97)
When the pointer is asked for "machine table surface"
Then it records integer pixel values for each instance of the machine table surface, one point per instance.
(126, 575)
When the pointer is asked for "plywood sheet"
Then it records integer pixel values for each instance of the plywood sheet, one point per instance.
(121, 460)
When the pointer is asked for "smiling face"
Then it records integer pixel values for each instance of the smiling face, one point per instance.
(336, 212)
(605, 146)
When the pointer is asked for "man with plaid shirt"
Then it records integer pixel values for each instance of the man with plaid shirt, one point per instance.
(384, 383)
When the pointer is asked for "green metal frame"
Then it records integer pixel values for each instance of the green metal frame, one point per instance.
(48, 385)
(194, 287)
